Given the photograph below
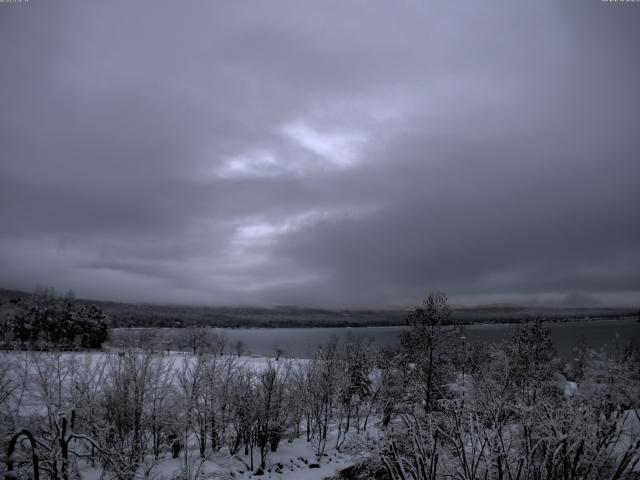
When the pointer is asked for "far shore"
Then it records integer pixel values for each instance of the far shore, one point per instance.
(395, 324)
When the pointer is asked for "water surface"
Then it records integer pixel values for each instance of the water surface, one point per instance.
(304, 342)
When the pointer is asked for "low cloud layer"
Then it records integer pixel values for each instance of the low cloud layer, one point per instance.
(321, 153)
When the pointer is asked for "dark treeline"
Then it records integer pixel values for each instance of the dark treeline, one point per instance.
(151, 316)
(45, 320)
(432, 407)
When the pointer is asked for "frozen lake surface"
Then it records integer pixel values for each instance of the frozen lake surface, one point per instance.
(303, 342)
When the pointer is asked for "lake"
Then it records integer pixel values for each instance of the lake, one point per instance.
(304, 342)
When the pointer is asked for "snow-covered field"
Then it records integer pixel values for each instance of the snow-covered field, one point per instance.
(32, 402)
(295, 458)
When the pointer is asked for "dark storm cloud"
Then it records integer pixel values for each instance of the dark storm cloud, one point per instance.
(334, 153)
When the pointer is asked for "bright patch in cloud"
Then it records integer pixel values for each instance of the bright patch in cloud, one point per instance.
(255, 164)
(259, 232)
(337, 149)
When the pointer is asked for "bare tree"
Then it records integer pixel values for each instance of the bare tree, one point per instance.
(427, 361)
(190, 380)
(272, 415)
(353, 386)
(126, 391)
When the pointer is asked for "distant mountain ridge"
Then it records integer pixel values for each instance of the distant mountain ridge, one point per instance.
(148, 315)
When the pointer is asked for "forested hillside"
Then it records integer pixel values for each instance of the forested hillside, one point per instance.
(151, 315)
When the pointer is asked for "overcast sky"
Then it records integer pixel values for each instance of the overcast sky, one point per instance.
(326, 153)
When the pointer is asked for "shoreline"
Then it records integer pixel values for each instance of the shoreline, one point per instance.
(513, 322)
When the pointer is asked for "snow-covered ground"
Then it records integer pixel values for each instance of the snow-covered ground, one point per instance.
(294, 458)
(292, 461)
